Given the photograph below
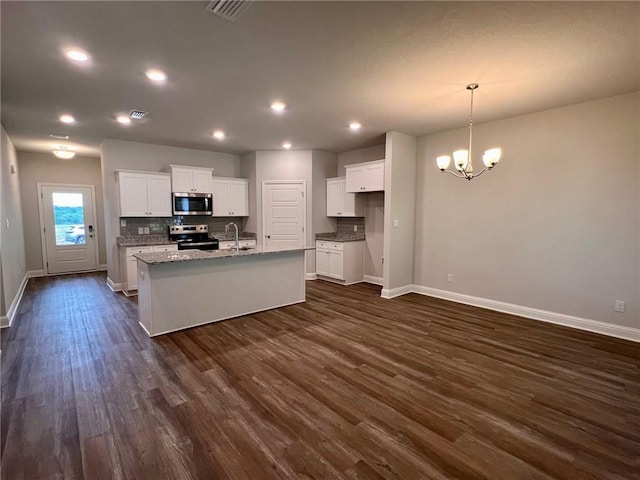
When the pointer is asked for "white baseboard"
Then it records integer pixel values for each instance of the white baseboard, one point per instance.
(310, 276)
(372, 279)
(35, 273)
(7, 320)
(595, 326)
(102, 267)
(396, 292)
(115, 287)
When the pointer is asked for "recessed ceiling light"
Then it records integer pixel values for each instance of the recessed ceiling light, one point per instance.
(286, 145)
(123, 119)
(278, 107)
(65, 154)
(66, 118)
(219, 134)
(156, 75)
(77, 55)
(354, 126)
(59, 136)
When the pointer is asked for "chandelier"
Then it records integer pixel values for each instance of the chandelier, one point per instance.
(462, 158)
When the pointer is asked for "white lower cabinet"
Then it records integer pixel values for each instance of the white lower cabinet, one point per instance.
(340, 261)
(130, 264)
(230, 244)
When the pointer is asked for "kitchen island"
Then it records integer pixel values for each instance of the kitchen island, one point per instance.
(183, 289)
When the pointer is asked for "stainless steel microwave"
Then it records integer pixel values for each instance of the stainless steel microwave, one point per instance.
(192, 204)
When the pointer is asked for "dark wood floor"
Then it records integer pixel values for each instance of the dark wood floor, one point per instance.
(347, 385)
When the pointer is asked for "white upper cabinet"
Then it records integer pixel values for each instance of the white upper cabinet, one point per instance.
(190, 179)
(365, 177)
(230, 197)
(144, 194)
(340, 203)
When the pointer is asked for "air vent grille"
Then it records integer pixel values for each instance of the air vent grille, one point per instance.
(228, 9)
(138, 114)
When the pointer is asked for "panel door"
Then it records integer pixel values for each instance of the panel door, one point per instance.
(374, 177)
(334, 197)
(220, 189)
(322, 262)
(69, 228)
(182, 179)
(336, 265)
(202, 181)
(132, 188)
(355, 179)
(284, 215)
(159, 196)
(239, 198)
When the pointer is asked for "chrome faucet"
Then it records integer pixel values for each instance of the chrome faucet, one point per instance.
(226, 231)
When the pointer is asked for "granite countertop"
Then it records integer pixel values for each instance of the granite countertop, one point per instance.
(230, 238)
(340, 237)
(190, 255)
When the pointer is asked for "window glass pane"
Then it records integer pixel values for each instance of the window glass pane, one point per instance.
(68, 213)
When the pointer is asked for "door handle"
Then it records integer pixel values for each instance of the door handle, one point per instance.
(90, 228)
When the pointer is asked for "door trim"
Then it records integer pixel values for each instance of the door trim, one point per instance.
(303, 183)
(43, 242)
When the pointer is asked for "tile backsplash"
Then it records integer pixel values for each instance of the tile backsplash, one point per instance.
(345, 225)
(159, 226)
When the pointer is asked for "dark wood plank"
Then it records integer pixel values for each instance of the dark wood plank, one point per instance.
(346, 385)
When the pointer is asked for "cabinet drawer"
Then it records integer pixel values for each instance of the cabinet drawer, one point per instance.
(324, 244)
(132, 250)
(165, 248)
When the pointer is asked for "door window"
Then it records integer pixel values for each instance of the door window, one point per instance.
(68, 213)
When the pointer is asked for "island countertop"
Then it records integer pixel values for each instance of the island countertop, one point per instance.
(191, 255)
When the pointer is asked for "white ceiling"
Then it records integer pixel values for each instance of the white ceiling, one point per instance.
(399, 66)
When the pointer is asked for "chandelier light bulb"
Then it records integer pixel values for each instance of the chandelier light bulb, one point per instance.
(491, 157)
(443, 162)
(461, 159)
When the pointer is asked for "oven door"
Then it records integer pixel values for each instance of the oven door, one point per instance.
(192, 204)
(208, 245)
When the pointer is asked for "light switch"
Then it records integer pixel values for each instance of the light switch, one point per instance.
(395, 223)
(140, 231)
(7, 224)
(123, 222)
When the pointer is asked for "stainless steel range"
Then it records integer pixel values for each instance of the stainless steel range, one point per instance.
(192, 237)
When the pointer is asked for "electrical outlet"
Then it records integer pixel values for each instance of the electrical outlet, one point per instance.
(355, 228)
(146, 230)
(450, 278)
(140, 231)
(619, 306)
(123, 222)
(395, 224)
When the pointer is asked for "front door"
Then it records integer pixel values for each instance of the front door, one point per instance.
(67, 221)
(284, 209)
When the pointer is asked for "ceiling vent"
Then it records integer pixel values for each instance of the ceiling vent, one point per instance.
(138, 114)
(228, 9)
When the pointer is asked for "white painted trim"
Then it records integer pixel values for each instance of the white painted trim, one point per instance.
(310, 276)
(396, 292)
(35, 273)
(373, 280)
(7, 320)
(589, 325)
(102, 267)
(115, 287)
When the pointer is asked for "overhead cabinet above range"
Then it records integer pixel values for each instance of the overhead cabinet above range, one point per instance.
(230, 197)
(365, 177)
(191, 179)
(144, 194)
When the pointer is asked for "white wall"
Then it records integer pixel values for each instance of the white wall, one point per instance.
(117, 154)
(248, 171)
(46, 168)
(323, 166)
(555, 226)
(369, 154)
(14, 266)
(399, 213)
